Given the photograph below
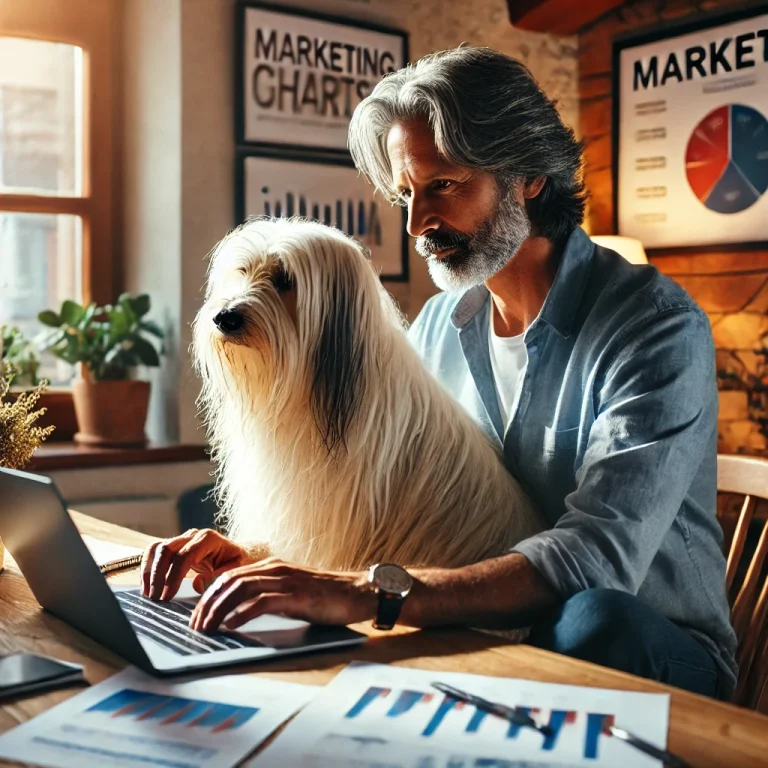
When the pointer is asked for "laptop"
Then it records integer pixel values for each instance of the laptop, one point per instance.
(155, 636)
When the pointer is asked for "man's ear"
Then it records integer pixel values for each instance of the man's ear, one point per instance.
(532, 187)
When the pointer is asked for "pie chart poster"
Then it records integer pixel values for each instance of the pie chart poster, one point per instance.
(691, 134)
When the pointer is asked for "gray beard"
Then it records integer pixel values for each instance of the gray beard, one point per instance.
(490, 249)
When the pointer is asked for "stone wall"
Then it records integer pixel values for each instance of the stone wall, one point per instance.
(731, 285)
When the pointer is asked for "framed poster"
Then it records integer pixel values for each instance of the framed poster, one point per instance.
(690, 132)
(329, 190)
(300, 75)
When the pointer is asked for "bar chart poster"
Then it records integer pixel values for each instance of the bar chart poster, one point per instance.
(692, 134)
(334, 194)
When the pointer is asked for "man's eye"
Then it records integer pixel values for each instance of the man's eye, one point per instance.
(442, 184)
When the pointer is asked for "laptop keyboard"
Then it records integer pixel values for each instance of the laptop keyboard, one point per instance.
(167, 623)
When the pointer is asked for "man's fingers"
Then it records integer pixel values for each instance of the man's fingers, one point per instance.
(226, 580)
(279, 602)
(191, 555)
(146, 566)
(201, 582)
(207, 577)
(226, 594)
(162, 556)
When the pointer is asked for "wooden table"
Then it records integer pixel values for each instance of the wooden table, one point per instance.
(704, 732)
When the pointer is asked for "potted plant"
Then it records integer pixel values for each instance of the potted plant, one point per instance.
(106, 341)
(18, 354)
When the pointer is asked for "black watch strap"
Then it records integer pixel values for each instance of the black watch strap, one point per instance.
(389, 610)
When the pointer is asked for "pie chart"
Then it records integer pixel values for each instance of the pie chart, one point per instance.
(726, 160)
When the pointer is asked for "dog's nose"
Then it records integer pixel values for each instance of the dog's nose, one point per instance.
(229, 320)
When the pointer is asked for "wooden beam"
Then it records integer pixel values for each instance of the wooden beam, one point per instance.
(558, 17)
(74, 206)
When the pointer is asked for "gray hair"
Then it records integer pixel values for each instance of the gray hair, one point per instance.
(486, 112)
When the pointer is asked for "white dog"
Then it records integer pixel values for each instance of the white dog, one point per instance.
(333, 444)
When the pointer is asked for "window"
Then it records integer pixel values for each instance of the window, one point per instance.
(41, 87)
(58, 65)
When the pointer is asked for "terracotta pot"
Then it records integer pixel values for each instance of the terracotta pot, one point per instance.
(111, 413)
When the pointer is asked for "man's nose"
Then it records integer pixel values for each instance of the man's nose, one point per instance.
(229, 320)
(422, 219)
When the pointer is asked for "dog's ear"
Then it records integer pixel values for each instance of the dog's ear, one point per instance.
(337, 384)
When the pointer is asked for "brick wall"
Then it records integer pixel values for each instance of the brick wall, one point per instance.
(731, 285)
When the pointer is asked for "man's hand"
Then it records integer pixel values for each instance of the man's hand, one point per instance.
(165, 563)
(273, 586)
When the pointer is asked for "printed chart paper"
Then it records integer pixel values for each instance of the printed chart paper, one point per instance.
(132, 719)
(374, 716)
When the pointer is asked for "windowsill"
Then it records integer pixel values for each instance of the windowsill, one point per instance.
(53, 456)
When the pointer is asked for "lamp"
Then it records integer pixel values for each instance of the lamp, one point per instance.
(632, 250)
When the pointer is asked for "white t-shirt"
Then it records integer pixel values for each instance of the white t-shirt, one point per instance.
(509, 358)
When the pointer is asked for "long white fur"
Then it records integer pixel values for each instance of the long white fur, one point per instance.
(415, 481)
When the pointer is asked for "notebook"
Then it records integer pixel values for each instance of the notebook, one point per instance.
(112, 557)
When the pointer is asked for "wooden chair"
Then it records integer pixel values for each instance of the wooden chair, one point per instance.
(748, 477)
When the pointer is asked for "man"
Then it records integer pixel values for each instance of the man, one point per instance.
(594, 377)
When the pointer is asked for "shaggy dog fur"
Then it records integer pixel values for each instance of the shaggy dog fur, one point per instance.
(334, 445)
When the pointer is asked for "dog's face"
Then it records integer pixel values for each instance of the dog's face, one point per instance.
(287, 309)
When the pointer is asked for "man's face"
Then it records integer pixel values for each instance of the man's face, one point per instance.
(465, 227)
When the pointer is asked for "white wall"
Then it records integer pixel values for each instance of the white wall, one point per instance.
(180, 159)
(152, 189)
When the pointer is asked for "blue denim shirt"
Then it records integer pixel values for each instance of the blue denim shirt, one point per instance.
(614, 436)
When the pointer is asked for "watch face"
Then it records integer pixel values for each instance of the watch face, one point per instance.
(392, 578)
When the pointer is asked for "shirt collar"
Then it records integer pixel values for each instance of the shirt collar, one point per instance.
(564, 297)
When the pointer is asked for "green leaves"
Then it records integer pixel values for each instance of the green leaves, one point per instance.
(153, 328)
(108, 339)
(18, 356)
(71, 313)
(49, 318)
(146, 352)
(140, 304)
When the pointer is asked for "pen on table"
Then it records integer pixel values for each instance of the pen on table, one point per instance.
(667, 758)
(514, 715)
(520, 717)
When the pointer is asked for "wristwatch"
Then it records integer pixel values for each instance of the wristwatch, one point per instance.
(392, 584)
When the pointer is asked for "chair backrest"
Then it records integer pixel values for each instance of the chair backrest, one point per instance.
(747, 476)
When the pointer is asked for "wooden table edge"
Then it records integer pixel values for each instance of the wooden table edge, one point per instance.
(692, 717)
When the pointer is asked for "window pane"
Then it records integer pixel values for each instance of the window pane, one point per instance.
(40, 259)
(40, 117)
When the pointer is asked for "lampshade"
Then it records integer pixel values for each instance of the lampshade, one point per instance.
(632, 250)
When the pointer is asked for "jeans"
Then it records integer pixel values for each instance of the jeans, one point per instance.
(616, 629)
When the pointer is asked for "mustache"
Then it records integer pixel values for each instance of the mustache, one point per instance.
(427, 245)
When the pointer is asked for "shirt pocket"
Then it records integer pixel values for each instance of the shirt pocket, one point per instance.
(561, 445)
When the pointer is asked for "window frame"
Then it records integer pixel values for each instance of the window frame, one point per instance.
(94, 27)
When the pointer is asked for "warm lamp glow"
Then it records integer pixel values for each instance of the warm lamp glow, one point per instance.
(632, 250)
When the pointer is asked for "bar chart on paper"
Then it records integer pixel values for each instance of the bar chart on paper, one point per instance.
(132, 720)
(169, 711)
(372, 716)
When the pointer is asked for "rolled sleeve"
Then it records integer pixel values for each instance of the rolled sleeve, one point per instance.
(655, 411)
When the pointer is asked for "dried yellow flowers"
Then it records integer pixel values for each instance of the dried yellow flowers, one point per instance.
(19, 437)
